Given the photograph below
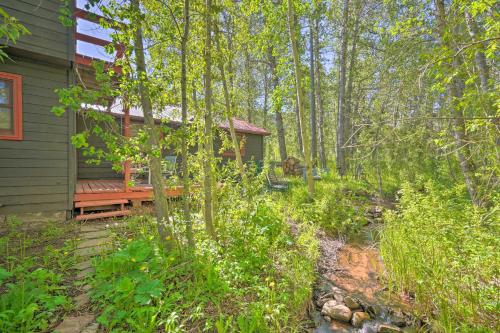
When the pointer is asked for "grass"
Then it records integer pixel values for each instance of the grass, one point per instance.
(34, 277)
(338, 205)
(444, 252)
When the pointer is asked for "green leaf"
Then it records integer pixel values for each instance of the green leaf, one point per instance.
(4, 274)
(146, 290)
(58, 110)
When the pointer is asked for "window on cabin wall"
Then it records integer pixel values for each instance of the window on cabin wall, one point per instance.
(242, 139)
(11, 114)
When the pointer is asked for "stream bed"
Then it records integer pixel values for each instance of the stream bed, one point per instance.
(349, 295)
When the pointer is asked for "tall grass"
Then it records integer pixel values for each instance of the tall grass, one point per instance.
(338, 205)
(445, 251)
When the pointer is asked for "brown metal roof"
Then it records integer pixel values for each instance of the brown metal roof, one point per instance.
(242, 126)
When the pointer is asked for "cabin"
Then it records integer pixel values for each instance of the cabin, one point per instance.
(41, 173)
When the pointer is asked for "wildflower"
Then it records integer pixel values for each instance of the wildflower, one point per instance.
(271, 285)
(65, 253)
(168, 238)
(133, 259)
(143, 268)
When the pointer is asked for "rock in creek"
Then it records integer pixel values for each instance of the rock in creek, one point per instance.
(385, 328)
(358, 318)
(338, 294)
(336, 311)
(398, 319)
(327, 307)
(351, 303)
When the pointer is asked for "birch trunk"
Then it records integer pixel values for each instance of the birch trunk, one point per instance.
(208, 137)
(341, 116)
(300, 98)
(276, 108)
(350, 80)
(184, 144)
(455, 90)
(314, 140)
(153, 144)
(480, 58)
(229, 114)
(319, 100)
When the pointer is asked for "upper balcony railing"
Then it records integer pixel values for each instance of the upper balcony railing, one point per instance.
(88, 46)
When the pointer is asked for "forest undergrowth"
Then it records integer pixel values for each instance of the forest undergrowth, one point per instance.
(257, 276)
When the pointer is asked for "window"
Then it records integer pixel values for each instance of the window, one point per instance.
(11, 106)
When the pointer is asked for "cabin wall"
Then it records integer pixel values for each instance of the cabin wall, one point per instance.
(103, 170)
(254, 152)
(36, 173)
(48, 39)
(254, 148)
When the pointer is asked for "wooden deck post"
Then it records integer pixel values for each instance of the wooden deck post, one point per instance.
(126, 133)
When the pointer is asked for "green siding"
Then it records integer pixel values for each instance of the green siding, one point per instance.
(48, 36)
(254, 147)
(34, 173)
(254, 152)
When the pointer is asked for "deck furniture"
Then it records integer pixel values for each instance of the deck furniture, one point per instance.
(169, 166)
(315, 173)
(274, 183)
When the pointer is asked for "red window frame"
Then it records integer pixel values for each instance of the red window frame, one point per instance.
(17, 106)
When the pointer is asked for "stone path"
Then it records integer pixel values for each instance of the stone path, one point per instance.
(94, 238)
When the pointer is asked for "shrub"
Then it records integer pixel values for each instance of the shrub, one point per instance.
(256, 277)
(444, 250)
(30, 300)
(337, 207)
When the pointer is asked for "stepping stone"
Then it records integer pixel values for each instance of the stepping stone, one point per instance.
(84, 273)
(81, 301)
(92, 251)
(94, 242)
(94, 234)
(84, 265)
(94, 227)
(74, 324)
(92, 328)
(86, 288)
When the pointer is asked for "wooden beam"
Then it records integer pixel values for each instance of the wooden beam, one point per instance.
(172, 192)
(92, 39)
(92, 17)
(126, 133)
(112, 213)
(84, 60)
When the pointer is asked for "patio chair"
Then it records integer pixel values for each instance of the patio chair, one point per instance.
(169, 165)
(316, 175)
(274, 183)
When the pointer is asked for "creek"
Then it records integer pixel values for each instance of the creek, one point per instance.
(349, 295)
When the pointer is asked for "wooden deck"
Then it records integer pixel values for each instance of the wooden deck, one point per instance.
(91, 190)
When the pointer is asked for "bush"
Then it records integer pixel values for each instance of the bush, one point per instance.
(30, 300)
(445, 251)
(256, 277)
(338, 205)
